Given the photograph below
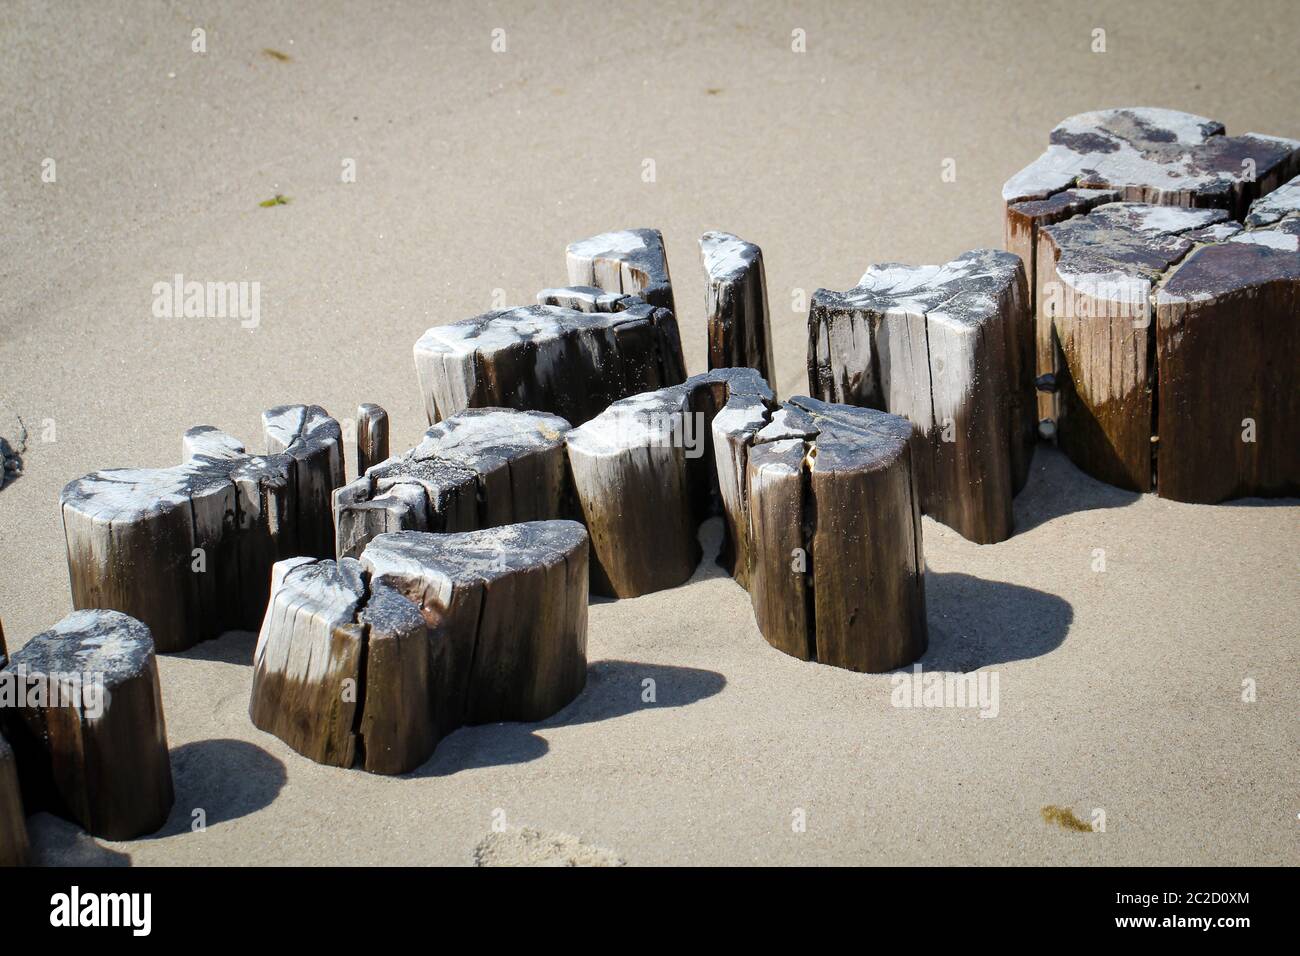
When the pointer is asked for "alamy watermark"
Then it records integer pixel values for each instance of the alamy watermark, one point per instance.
(978, 689)
(83, 691)
(181, 299)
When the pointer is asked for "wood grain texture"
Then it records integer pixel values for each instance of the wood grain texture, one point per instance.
(372, 436)
(14, 844)
(628, 261)
(188, 550)
(1157, 156)
(839, 571)
(739, 331)
(373, 662)
(945, 347)
(548, 358)
(1173, 330)
(85, 720)
(477, 469)
(1227, 351)
(650, 468)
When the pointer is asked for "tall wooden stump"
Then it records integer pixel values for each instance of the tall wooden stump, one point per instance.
(87, 725)
(375, 661)
(1157, 156)
(14, 848)
(188, 550)
(548, 358)
(630, 261)
(372, 436)
(480, 468)
(740, 335)
(838, 573)
(940, 346)
(1227, 351)
(645, 475)
(1173, 334)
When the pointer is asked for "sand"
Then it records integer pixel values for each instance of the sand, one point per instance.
(1119, 690)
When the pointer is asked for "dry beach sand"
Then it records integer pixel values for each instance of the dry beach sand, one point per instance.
(1118, 690)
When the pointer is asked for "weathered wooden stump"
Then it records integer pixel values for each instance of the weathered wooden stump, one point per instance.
(630, 261)
(84, 715)
(372, 436)
(548, 358)
(1148, 155)
(740, 335)
(375, 661)
(480, 468)
(14, 848)
(188, 550)
(645, 475)
(941, 346)
(838, 572)
(1172, 336)
(1227, 351)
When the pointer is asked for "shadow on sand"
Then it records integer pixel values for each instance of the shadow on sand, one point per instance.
(614, 689)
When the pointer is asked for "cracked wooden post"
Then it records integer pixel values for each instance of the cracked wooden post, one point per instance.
(1143, 154)
(1169, 294)
(375, 661)
(87, 725)
(740, 335)
(188, 550)
(838, 573)
(940, 346)
(481, 467)
(628, 261)
(372, 436)
(1226, 357)
(14, 847)
(645, 472)
(548, 358)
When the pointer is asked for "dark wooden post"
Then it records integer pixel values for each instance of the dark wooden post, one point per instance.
(740, 335)
(372, 436)
(548, 358)
(14, 848)
(646, 469)
(375, 661)
(481, 467)
(940, 346)
(1149, 155)
(838, 572)
(188, 550)
(630, 261)
(87, 725)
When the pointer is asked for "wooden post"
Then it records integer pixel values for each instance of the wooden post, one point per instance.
(1096, 276)
(645, 475)
(838, 572)
(1226, 357)
(87, 725)
(188, 550)
(307, 669)
(372, 436)
(14, 848)
(630, 261)
(739, 332)
(375, 661)
(481, 467)
(548, 358)
(1157, 156)
(941, 346)
(510, 604)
